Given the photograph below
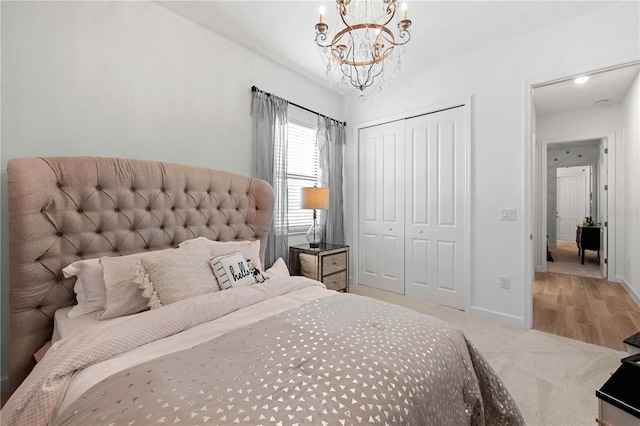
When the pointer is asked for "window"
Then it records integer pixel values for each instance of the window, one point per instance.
(303, 165)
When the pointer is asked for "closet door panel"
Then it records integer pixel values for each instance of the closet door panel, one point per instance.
(381, 205)
(446, 169)
(437, 179)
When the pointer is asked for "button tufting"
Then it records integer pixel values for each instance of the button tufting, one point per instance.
(146, 247)
(148, 208)
(115, 250)
(161, 189)
(132, 229)
(172, 208)
(59, 234)
(98, 188)
(161, 226)
(185, 225)
(58, 184)
(79, 210)
(98, 231)
(79, 254)
(132, 189)
(186, 190)
(197, 207)
(116, 209)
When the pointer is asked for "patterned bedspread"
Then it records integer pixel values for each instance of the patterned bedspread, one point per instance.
(338, 360)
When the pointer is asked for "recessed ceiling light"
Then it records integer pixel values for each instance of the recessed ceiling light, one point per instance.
(581, 80)
(602, 102)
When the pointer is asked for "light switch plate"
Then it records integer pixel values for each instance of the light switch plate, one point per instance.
(507, 214)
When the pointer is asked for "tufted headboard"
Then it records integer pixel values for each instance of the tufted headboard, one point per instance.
(63, 209)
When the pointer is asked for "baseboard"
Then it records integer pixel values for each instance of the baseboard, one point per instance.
(634, 296)
(497, 316)
(4, 383)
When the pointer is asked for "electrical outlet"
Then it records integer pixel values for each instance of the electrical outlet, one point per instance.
(507, 214)
(505, 282)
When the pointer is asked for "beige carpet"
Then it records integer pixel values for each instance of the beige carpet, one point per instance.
(566, 261)
(553, 379)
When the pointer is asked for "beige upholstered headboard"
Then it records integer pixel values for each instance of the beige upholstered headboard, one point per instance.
(63, 209)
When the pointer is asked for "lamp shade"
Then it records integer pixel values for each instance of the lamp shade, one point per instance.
(315, 198)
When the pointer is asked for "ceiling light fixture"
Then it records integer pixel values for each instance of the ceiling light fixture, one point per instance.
(581, 80)
(365, 51)
(602, 102)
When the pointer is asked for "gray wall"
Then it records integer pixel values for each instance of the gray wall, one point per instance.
(132, 80)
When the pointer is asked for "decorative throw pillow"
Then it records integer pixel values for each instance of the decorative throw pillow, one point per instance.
(123, 296)
(231, 270)
(278, 269)
(181, 273)
(249, 249)
(89, 287)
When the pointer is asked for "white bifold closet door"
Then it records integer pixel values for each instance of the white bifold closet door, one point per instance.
(418, 185)
(381, 193)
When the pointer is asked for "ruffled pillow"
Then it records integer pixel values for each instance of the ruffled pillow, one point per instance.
(176, 275)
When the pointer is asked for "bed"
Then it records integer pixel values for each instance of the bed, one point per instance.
(284, 350)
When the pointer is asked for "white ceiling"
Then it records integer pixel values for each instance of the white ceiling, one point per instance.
(283, 31)
(567, 95)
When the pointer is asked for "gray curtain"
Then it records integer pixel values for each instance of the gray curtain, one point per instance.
(331, 139)
(269, 114)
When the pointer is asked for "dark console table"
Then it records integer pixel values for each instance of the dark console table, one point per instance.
(588, 238)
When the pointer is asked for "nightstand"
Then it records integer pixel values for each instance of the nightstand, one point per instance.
(328, 264)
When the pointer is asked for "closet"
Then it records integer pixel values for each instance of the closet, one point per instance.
(412, 207)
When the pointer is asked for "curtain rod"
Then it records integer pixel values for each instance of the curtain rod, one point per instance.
(344, 123)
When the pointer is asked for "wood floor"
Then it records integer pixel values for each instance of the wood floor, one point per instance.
(587, 309)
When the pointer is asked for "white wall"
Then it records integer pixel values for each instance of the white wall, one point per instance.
(630, 272)
(496, 77)
(132, 80)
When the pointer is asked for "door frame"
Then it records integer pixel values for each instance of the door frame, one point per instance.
(533, 220)
(465, 102)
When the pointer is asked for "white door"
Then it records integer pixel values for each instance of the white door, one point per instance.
(570, 204)
(436, 211)
(381, 207)
(603, 217)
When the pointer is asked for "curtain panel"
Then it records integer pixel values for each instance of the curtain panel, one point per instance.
(270, 119)
(331, 139)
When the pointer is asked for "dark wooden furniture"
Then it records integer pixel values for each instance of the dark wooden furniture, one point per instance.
(588, 238)
(331, 266)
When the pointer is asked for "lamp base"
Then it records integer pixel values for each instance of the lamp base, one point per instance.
(314, 235)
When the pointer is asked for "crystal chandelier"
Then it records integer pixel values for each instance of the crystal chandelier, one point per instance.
(366, 52)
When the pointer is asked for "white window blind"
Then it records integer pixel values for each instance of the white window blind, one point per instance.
(303, 168)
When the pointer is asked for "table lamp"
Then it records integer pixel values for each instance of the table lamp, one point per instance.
(317, 199)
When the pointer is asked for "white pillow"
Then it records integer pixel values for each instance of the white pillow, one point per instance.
(231, 270)
(249, 249)
(180, 273)
(89, 286)
(278, 269)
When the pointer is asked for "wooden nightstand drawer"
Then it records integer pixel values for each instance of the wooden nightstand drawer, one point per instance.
(334, 263)
(336, 281)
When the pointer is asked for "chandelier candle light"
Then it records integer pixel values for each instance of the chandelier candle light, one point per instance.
(365, 51)
(317, 199)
